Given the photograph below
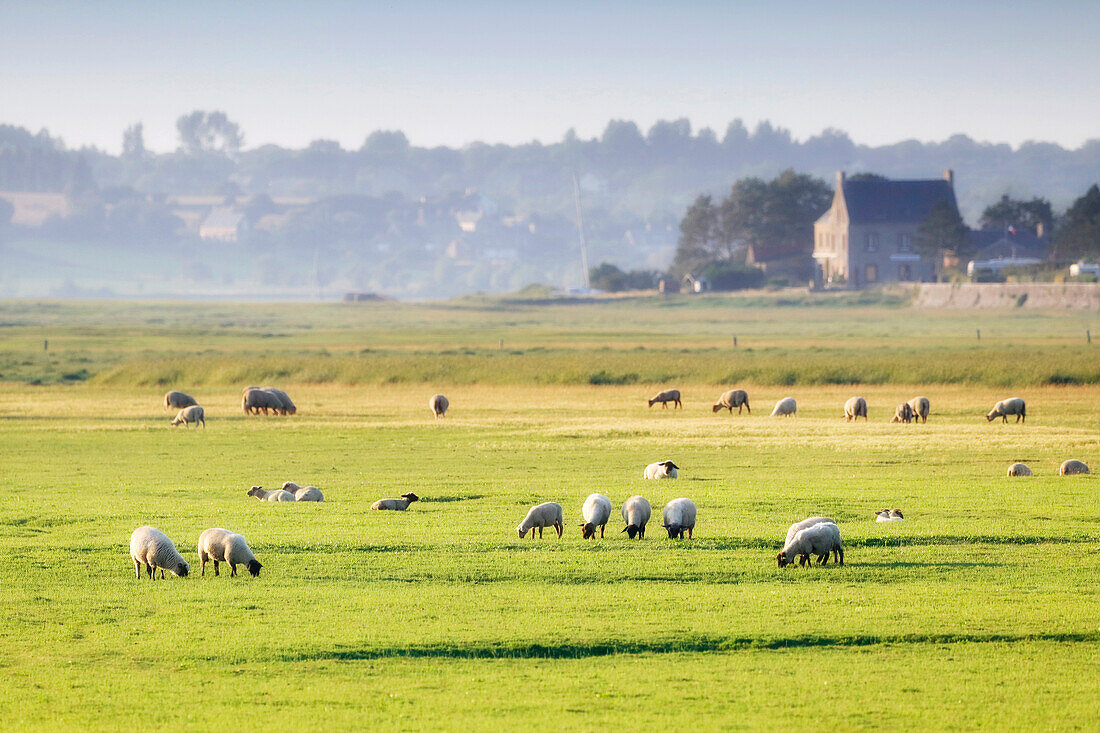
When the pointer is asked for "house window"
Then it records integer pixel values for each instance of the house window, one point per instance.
(905, 273)
(905, 243)
(870, 242)
(870, 274)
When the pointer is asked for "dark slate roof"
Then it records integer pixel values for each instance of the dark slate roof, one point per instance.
(889, 202)
(990, 244)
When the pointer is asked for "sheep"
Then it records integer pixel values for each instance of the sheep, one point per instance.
(542, 515)
(1018, 469)
(889, 515)
(307, 493)
(664, 469)
(192, 414)
(734, 398)
(820, 540)
(1072, 467)
(903, 413)
(855, 408)
(636, 512)
(276, 495)
(669, 395)
(178, 400)
(805, 524)
(257, 400)
(596, 511)
(152, 548)
(397, 505)
(679, 517)
(221, 545)
(1004, 408)
(438, 404)
(785, 407)
(285, 406)
(921, 407)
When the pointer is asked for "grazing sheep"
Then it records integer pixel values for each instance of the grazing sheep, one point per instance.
(192, 414)
(669, 395)
(438, 405)
(889, 515)
(1018, 469)
(734, 398)
(285, 405)
(921, 407)
(636, 512)
(679, 517)
(664, 469)
(1004, 408)
(820, 540)
(259, 400)
(397, 505)
(596, 511)
(542, 515)
(178, 400)
(903, 413)
(785, 407)
(152, 548)
(1072, 467)
(804, 524)
(855, 408)
(221, 545)
(276, 495)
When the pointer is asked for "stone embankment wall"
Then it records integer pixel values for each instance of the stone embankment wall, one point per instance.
(1081, 296)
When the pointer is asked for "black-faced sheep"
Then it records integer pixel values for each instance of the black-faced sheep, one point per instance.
(663, 469)
(855, 408)
(921, 407)
(596, 512)
(398, 505)
(1018, 469)
(178, 400)
(734, 398)
(152, 548)
(785, 407)
(1072, 467)
(903, 413)
(669, 395)
(548, 514)
(438, 405)
(678, 518)
(192, 414)
(1004, 408)
(221, 545)
(275, 495)
(820, 540)
(636, 512)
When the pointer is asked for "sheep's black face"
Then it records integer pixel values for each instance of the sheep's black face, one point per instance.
(410, 497)
(670, 464)
(673, 531)
(254, 567)
(182, 569)
(631, 530)
(782, 558)
(588, 530)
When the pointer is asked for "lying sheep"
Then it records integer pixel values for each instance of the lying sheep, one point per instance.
(889, 515)
(1004, 408)
(855, 408)
(438, 405)
(903, 413)
(178, 400)
(921, 407)
(192, 414)
(276, 495)
(221, 545)
(285, 406)
(804, 524)
(542, 515)
(596, 512)
(303, 493)
(152, 548)
(819, 540)
(679, 517)
(1018, 469)
(636, 512)
(734, 398)
(397, 505)
(1072, 467)
(669, 395)
(256, 400)
(664, 469)
(785, 407)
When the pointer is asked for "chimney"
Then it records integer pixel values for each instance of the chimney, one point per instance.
(839, 180)
(949, 176)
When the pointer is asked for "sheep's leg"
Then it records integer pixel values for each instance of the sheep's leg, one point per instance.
(149, 571)
(540, 533)
(690, 531)
(602, 526)
(841, 556)
(561, 529)
(232, 570)
(162, 573)
(137, 567)
(216, 567)
(202, 566)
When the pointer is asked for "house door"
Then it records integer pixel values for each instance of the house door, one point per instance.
(870, 273)
(905, 273)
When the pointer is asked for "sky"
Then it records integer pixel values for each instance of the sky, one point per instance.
(449, 73)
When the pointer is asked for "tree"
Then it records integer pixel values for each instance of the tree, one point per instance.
(209, 132)
(133, 142)
(1078, 236)
(698, 232)
(1022, 215)
(943, 236)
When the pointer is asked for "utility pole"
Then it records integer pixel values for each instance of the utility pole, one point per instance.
(580, 231)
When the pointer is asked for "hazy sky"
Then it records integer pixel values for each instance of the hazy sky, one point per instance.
(513, 71)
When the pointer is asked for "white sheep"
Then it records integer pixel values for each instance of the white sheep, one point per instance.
(438, 404)
(679, 517)
(855, 408)
(785, 407)
(596, 511)
(221, 545)
(178, 400)
(542, 515)
(152, 548)
(889, 515)
(903, 413)
(921, 407)
(192, 414)
(734, 398)
(285, 406)
(1004, 408)
(1072, 467)
(663, 469)
(820, 540)
(398, 505)
(804, 524)
(1018, 469)
(668, 395)
(275, 495)
(636, 512)
(257, 400)
(303, 493)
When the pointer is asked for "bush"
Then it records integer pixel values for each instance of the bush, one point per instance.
(725, 276)
(609, 278)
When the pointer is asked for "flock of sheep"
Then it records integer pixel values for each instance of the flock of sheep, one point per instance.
(268, 400)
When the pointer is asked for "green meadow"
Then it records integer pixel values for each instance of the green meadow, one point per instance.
(981, 610)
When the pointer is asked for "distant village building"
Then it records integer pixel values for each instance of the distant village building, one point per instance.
(693, 284)
(996, 249)
(223, 224)
(467, 220)
(868, 235)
